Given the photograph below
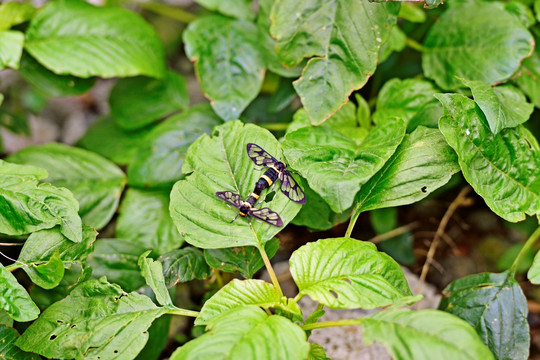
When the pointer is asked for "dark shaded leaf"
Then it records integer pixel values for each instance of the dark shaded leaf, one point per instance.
(183, 265)
(8, 350)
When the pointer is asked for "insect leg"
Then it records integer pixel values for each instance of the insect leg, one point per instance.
(236, 217)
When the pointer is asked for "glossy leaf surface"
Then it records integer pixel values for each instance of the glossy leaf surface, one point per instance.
(8, 350)
(14, 299)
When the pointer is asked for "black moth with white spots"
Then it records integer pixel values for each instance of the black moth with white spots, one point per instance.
(276, 170)
(246, 208)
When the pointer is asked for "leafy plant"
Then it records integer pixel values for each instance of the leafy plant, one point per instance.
(379, 105)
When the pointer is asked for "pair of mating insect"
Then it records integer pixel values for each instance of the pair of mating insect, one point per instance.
(275, 170)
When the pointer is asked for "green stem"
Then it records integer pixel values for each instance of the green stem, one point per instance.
(270, 270)
(182, 312)
(298, 297)
(325, 324)
(524, 250)
(275, 126)
(171, 12)
(413, 44)
(355, 214)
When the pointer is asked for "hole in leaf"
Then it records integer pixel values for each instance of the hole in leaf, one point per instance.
(115, 351)
(215, 133)
(270, 196)
(424, 189)
(528, 144)
(334, 294)
(73, 326)
(348, 280)
(59, 321)
(52, 337)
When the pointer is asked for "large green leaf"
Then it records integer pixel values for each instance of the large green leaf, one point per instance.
(228, 61)
(50, 83)
(8, 350)
(239, 293)
(421, 164)
(245, 333)
(14, 13)
(26, 206)
(96, 182)
(235, 8)
(403, 98)
(137, 102)
(106, 138)
(46, 274)
(245, 260)
(343, 36)
(220, 163)
(423, 334)
(96, 321)
(14, 299)
(529, 80)
(11, 45)
(159, 158)
(496, 307)
(74, 37)
(488, 48)
(334, 165)
(183, 265)
(144, 219)
(504, 106)
(501, 168)
(152, 271)
(117, 259)
(344, 273)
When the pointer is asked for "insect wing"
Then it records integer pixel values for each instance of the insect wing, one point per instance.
(259, 155)
(290, 187)
(230, 197)
(266, 215)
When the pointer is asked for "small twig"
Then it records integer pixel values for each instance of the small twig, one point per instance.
(460, 200)
(393, 233)
(11, 244)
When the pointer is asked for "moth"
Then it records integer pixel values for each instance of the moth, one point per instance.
(246, 208)
(275, 170)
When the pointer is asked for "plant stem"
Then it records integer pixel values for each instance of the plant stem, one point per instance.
(171, 12)
(352, 222)
(11, 244)
(182, 312)
(270, 270)
(528, 245)
(275, 126)
(413, 44)
(325, 324)
(392, 233)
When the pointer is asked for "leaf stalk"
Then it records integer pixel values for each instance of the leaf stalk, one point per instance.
(270, 270)
(528, 245)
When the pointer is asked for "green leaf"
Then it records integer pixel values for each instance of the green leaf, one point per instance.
(157, 339)
(529, 80)
(96, 321)
(49, 83)
(418, 335)
(11, 45)
(235, 8)
(413, 13)
(96, 182)
(496, 307)
(521, 11)
(117, 259)
(343, 36)
(14, 299)
(42, 245)
(220, 163)
(46, 274)
(245, 260)
(244, 333)
(334, 165)
(344, 273)
(26, 206)
(183, 265)
(137, 102)
(268, 46)
(152, 271)
(144, 219)
(504, 106)
(76, 38)
(502, 168)
(239, 293)
(495, 43)
(8, 350)
(14, 13)
(428, 116)
(5, 319)
(534, 271)
(106, 138)
(403, 98)
(228, 61)
(316, 352)
(159, 158)
(422, 163)
(397, 41)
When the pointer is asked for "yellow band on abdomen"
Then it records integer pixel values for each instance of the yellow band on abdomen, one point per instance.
(255, 196)
(268, 180)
